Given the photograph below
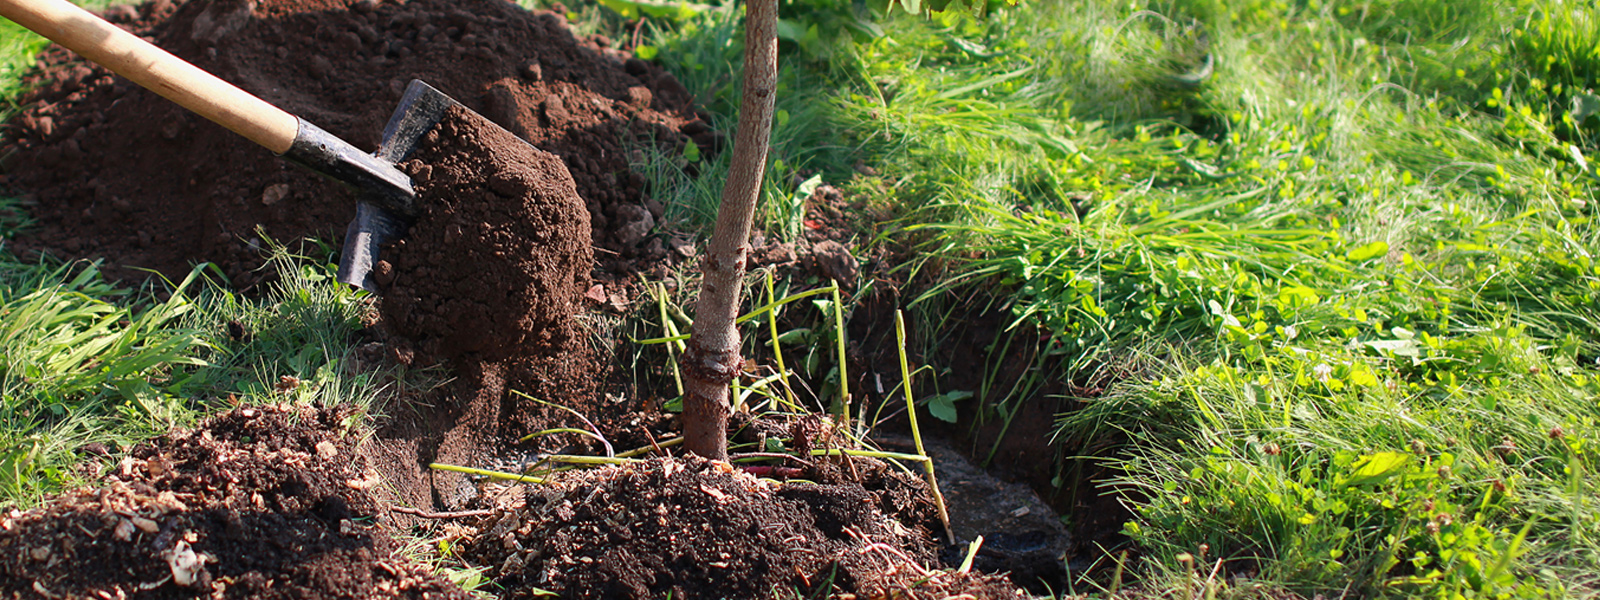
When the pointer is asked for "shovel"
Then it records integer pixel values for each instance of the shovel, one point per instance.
(386, 202)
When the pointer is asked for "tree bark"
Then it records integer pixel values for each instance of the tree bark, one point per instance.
(712, 359)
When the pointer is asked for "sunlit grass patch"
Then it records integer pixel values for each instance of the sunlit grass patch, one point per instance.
(80, 362)
(83, 360)
(1334, 470)
(1388, 199)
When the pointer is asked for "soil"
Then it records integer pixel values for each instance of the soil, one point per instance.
(260, 502)
(496, 263)
(110, 169)
(691, 528)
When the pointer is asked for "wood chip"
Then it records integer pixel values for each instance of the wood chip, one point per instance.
(123, 530)
(326, 449)
(372, 480)
(715, 493)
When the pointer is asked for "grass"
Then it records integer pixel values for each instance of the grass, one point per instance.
(79, 366)
(86, 360)
(1359, 251)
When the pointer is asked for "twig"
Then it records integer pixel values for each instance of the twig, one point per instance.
(658, 448)
(460, 514)
(916, 435)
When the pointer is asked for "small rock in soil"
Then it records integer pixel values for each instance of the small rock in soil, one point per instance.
(634, 223)
(274, 193)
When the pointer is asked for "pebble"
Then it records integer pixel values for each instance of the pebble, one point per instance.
(532, 71)
(275, 193)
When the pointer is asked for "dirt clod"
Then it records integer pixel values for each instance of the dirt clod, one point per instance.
(496, 263)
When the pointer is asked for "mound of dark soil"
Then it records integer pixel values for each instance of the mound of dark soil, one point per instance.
(691, 528)
(114, 170)
(490, 277)
(256, 503)
(496, 262)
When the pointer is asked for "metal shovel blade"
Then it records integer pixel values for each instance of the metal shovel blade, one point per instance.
(420, 110)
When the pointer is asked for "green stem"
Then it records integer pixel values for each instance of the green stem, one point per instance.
(485, 473)
(916, 434)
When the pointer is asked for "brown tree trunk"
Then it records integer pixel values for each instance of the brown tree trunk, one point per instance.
(712, 359)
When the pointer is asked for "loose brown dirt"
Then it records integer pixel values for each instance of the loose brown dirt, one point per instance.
(262, 502)
(113, 170)
(690, 528)
(496, 263)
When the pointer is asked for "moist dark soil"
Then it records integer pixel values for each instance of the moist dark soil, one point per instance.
(113, 170)
(264, 502)
(496, 263)
(691, 528)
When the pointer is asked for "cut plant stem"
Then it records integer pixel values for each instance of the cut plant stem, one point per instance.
(677, 339)
(712, 359)
(844, 373)
(596, 430)
(921, 458)
(758, 385)
(588, 460)
(770, 306)
(777, 349)
(916, 434)
(668, 443)
(485, 473)
(671, 330)
(546, 432)
(972, 553)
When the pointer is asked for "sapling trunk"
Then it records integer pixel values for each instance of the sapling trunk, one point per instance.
(712, 359)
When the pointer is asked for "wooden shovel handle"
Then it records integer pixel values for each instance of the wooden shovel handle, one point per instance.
(156, 69)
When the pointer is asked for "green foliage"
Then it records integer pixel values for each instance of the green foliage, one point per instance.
(301, 329)
(1338, 472)
(72, 360)
(13, 217)
(83, 360)
(1351, 226)
(17, 49)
